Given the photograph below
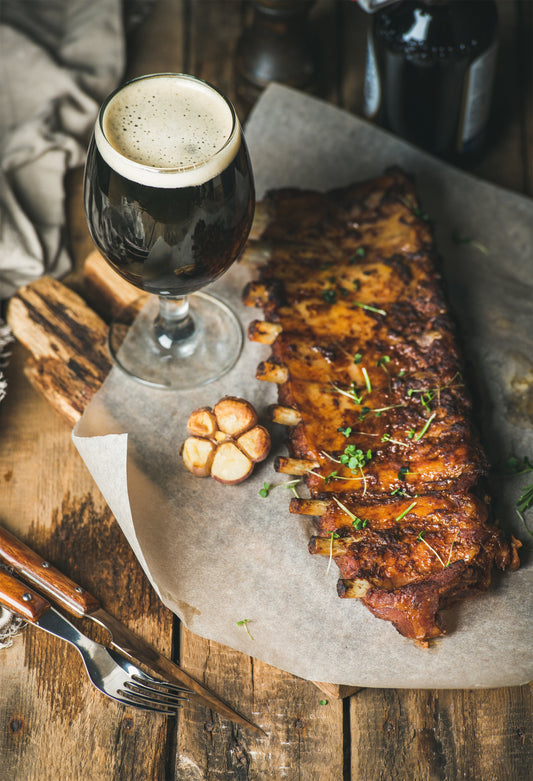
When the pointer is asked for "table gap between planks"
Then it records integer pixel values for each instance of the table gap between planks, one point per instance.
(54, 725)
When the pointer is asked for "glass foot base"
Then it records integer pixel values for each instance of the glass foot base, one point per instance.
(207, 354)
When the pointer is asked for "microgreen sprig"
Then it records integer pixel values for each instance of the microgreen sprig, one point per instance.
(369, 308)
(244, 623)
(428, 394)
(357, 523)
(458, 238)
(355, 459)
(446, 564)
(417, 211)
(426, 426)
(514, 467)
(367, 380)
(267, 487)
(333, 535)
(408, 510)
(420, 538)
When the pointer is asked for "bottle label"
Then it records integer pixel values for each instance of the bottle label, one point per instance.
(476, 98)
(372, 85)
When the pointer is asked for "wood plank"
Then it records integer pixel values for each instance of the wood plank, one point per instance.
(478, 734)
(304, 729)
(49, 500)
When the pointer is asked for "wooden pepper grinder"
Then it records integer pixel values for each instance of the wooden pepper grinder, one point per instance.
(278, 46)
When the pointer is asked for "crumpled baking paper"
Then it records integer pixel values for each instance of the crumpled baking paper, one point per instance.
(222, 555)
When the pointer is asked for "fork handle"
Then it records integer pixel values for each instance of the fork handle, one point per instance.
(20, 599)
(44, 576)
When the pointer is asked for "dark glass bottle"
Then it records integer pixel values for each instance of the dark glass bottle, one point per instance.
(429, 74)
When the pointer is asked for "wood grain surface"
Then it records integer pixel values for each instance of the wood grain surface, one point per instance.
(54, 724)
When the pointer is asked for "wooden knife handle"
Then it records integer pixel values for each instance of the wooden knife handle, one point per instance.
(44, 576)
(20, 599)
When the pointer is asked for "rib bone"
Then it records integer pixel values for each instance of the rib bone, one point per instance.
(285, 416)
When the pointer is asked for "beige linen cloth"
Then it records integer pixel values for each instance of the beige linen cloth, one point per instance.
(58, 60)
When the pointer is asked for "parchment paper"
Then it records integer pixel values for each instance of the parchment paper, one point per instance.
(218, 554)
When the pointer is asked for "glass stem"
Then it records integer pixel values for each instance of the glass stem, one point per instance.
(173, 323)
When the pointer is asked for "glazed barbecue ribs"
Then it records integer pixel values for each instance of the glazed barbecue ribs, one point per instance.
(370, 384)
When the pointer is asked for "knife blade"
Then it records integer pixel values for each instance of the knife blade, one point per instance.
(79, 602)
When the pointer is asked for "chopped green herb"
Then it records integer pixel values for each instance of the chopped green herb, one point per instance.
(267, 487)
(459, 239)
(323, 702)
(345, 431)
(330, 477)
(354, 457)
(333, 535)
(400, 492)
(353, 393)
(451, 549)
(244, 623)
(526, 499)
(360, 252)
(411, 433)
(420, 538)
(426, 426)
(402, 515)
(514, 466)
(369, 308)
(401, 373)
(359, 524)
(329, 295)
(385, 409)
(367, 380)
(357, 358)
(387, 438)
(355, 460)
(404, 471)
(357, 397)
(264, 490)
(414, 208)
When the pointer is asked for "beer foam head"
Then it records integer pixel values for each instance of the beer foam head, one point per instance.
(167, 130)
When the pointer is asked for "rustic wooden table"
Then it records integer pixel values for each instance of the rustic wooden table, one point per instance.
(54, 725)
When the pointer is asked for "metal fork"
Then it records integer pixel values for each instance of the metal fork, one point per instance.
(117, 677)
(111, 673)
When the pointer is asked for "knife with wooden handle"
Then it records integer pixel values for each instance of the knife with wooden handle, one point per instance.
(79, 602)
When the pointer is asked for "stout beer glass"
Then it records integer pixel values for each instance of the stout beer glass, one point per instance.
(169, 200)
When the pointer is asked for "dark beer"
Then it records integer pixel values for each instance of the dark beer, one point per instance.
(169, 194)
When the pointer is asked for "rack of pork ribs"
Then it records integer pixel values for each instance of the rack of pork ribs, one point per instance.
(371, 388)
